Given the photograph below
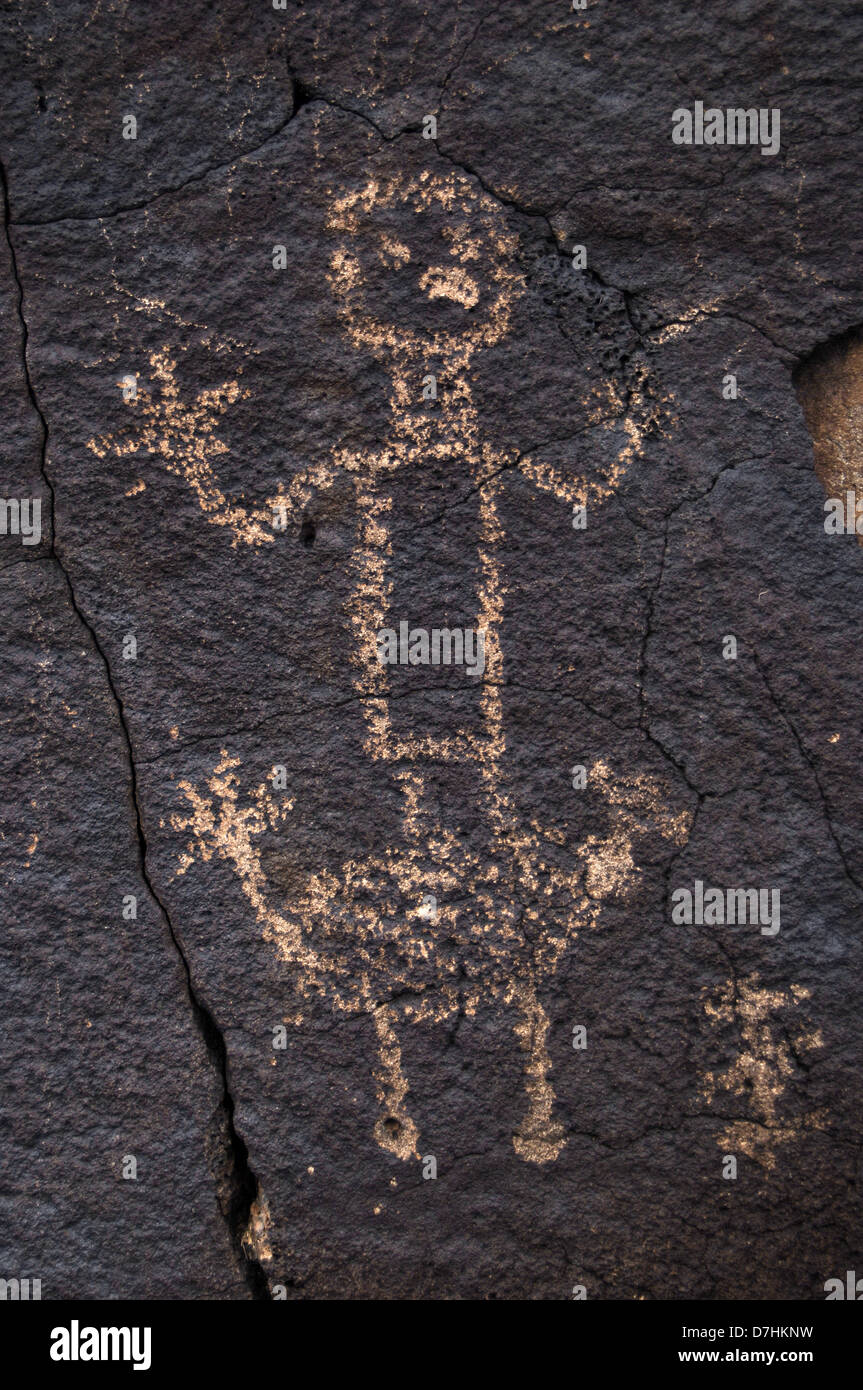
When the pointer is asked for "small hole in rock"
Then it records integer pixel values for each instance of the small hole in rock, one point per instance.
(302, 95)
(308, 531)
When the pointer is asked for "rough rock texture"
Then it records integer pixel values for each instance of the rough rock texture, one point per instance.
(376, 904)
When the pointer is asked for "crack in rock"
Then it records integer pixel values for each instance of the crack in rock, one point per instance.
(238, 1190)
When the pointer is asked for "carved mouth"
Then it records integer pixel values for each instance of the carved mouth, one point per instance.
(450, 282)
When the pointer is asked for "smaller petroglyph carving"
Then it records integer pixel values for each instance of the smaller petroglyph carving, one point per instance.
(761, 1071)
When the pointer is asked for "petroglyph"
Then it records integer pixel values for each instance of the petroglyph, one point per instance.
(507, 911)
(504, 919)
(767, 1059)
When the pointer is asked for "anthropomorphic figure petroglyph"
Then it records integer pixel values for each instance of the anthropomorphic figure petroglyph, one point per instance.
(432, 925)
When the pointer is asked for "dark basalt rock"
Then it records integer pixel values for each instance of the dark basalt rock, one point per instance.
(376, 904)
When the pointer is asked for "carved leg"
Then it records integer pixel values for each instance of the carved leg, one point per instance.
(395, 1130)
(539, 1138)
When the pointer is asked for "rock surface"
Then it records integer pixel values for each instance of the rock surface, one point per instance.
(378, 911)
